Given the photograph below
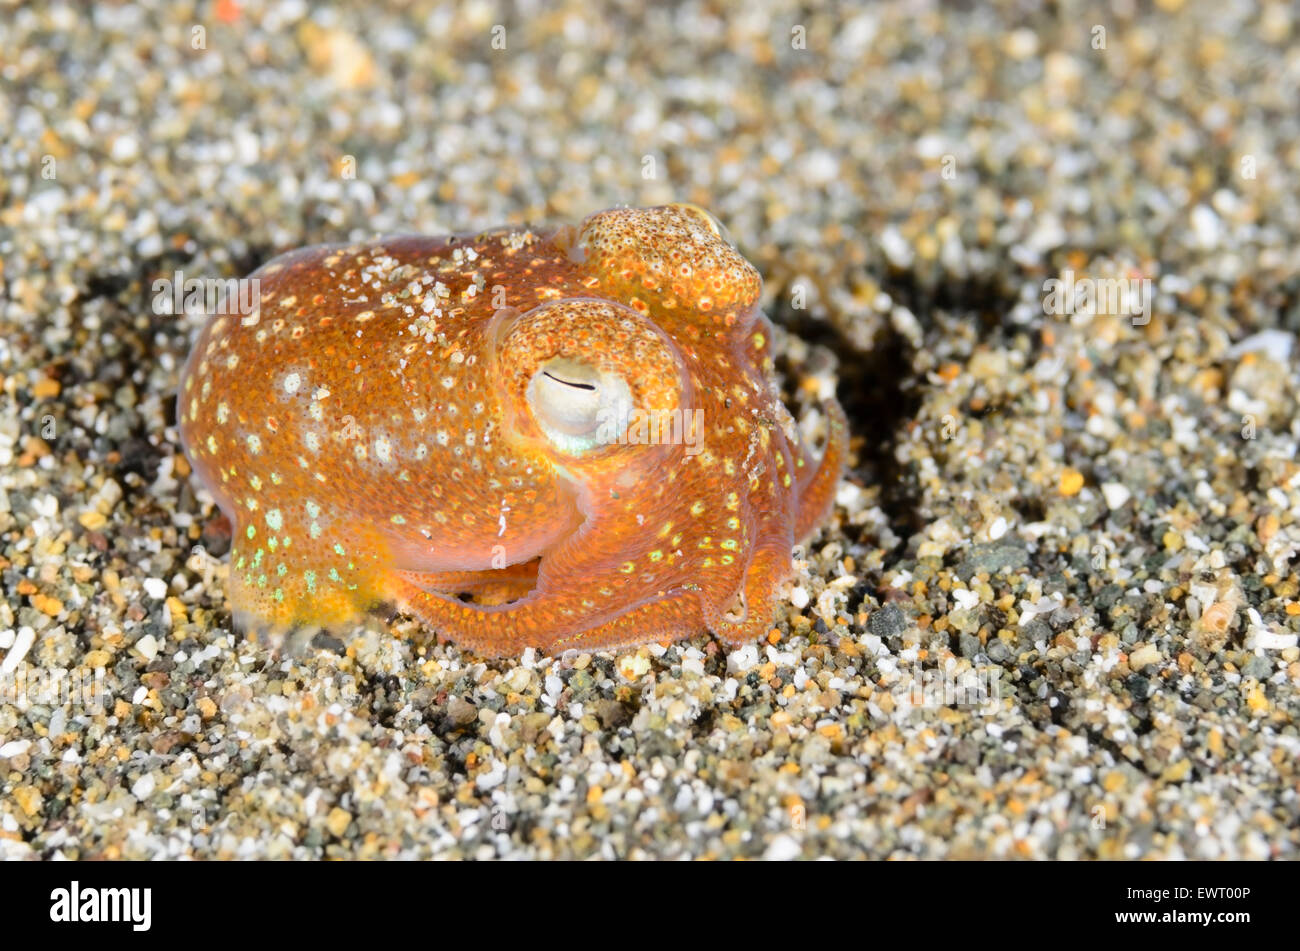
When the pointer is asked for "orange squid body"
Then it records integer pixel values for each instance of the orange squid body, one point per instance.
(568, 439)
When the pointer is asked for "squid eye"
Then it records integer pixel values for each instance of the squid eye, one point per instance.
(578, 407)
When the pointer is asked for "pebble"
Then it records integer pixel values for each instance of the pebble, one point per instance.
(742, 659)
(1144, 656)
(784, 848)
(338, 821)
(23, 642)
(148, 647)
(143, 787)
(1206, 227)
(1116, 494)
(1274, 344)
